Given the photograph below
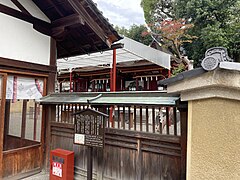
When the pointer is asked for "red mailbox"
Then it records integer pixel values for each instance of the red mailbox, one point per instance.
(61, 164)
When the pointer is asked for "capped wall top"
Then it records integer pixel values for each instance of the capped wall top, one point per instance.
(213, 57)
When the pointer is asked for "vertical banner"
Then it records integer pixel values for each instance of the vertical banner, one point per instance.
(9, 91)
(14, 99)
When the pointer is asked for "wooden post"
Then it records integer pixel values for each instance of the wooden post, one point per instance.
(60, 87)
(7, 118)
(183, 119)
(36, 109)
(137, 84)
(93, 86)
(24, 116)
(70, 90)
(49, 87)
(2, 112)
(50, 115)
(89, 163)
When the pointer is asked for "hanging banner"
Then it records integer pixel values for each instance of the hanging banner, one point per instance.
(9, 91)
(24, 88)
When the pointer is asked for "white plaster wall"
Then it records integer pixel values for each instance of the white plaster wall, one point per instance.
(19, 41)
(9, 4)
(34, 10)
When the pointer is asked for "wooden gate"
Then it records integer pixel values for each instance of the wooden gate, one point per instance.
(142, 141)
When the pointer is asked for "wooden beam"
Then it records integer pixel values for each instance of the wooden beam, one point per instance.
(59, 26)
(20, 6)
(38, 24)
(55, 6)
(68, 21)
(78, 7)
(16, 65)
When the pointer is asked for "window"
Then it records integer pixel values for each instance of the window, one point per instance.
(23, 116)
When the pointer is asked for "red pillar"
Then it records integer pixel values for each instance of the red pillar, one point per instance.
(113, 76)
(114, 70)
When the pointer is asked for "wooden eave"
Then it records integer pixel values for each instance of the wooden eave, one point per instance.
(78, 26)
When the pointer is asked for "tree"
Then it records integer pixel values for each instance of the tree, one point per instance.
(121, 30)
(135, 33)
(158, 10)
(172, 34)
(216, 23)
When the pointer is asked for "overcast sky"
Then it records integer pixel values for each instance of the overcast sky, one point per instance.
(122, 12)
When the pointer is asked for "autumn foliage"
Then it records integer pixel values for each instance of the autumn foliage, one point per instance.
(171, 34)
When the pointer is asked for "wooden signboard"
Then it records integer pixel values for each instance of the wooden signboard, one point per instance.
(90, 128)
(89, 131)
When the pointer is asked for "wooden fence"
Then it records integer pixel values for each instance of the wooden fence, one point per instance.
(139, 144)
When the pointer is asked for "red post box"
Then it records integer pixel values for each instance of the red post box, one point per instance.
(61, 164)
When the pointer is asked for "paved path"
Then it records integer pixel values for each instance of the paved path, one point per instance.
(39, 176)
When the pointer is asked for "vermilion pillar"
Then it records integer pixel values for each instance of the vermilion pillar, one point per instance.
(113, 77)
(114, 70)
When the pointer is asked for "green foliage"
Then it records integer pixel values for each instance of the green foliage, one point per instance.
(148, 8)
(157, 10)
(216, 23)
(135, 32)
(121, 30)
(178, 70)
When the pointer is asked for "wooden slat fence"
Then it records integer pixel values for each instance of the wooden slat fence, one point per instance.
(138, 144)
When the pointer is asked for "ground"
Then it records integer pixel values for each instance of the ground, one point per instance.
(39, 176)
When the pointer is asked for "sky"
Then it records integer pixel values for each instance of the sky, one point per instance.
(122, 12)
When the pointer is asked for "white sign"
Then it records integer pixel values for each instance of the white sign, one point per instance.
(24, 88)
(79, 138)
(57, 169)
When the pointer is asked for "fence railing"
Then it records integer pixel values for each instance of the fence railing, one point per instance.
(152, 119)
